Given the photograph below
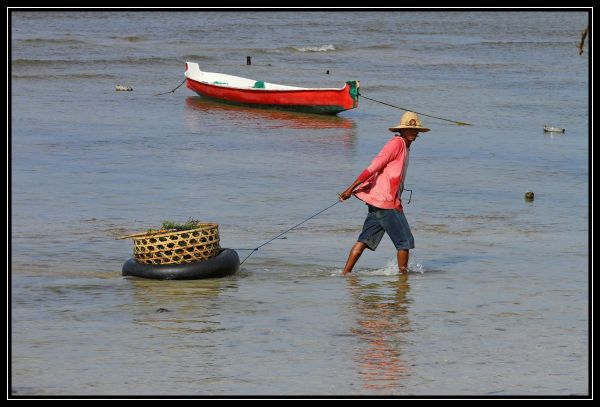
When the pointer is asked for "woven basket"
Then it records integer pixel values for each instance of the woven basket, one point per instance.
(177, 247)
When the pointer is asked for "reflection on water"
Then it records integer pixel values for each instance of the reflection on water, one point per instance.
(310, 133)
(179, 292)
(382, 326)
(268, 118)
(185, 306)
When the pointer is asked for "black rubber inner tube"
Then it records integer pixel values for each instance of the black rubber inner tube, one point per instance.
(227, 262)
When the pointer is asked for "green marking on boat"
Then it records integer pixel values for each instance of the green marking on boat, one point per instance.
(353, 89)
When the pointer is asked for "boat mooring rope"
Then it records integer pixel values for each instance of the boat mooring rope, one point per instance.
(410, 110)
(172, 91)
(288, 230)
(368, 98)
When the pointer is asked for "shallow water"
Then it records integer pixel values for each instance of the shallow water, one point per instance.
(496, 302)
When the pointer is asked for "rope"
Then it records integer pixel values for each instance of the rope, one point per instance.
(172, 91)
(288, 230)
(410, 110)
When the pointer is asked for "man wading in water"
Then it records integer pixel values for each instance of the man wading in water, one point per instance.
(381, 185)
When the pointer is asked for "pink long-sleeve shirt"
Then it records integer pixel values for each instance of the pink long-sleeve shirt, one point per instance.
(385, 176)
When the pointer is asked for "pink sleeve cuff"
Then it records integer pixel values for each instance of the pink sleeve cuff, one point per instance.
(364, 175)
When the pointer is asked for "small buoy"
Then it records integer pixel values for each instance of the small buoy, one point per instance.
(327, 72)
(121, 88)
(248, 61)
(552, 129)
(529, 196)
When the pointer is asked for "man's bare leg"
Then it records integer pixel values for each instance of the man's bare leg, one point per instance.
(402, 256)
(353, 257)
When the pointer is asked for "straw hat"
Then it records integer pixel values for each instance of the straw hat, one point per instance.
(409, 120)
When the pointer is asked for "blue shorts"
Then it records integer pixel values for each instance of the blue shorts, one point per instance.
(391, 221)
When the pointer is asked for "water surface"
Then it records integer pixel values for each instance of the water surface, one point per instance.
(496, 302)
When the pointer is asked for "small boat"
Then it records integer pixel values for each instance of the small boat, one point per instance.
(235, 89)
(552, 129)
(226, 263)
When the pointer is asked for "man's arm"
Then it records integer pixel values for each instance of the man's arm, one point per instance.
(387, 153)
(361, 178)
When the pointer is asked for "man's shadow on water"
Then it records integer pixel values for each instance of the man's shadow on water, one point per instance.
(382, 325)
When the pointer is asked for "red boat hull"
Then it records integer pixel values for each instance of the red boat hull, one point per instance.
(329, 101)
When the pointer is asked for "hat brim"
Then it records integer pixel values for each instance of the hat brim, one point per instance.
(420, 129)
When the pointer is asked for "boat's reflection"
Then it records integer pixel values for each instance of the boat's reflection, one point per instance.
(382, 325)
(265, 118)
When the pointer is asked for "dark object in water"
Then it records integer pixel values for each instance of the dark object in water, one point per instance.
(248, 61)
(584, 34)
(552, 129)
(225, 263)
(162, 310)
(529, 196)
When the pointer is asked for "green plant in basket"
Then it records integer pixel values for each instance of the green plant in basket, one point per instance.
(190, 224)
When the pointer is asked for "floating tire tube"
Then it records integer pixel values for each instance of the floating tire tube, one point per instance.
(227, 262)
